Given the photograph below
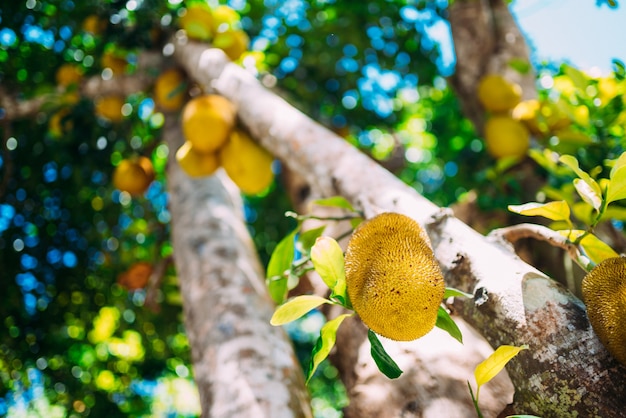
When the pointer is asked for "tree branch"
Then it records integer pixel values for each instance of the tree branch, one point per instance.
(567, 372)
(242, 365)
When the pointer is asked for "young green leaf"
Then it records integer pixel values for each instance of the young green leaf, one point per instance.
(492, 365)
(557, 211)
(279, 263)
(327, 258)
(596, 249)
(295, 308)
(383, 360)
(335, 201)
(325, 343)
(446, 323)
(307, 238)
(452, 292)
(277, 287)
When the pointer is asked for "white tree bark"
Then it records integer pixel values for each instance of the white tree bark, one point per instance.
(566, 372)
(242, 365)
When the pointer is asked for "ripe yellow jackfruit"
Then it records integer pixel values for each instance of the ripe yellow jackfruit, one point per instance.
(393, 280)
(169, 90)
(247, 164)
(506, 137)
(194, 163)
(498, 94)
(134, 175)
(208, 121)
(604, 293)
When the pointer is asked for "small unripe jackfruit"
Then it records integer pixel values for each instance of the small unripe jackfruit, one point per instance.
(393, 279)
(604, 293)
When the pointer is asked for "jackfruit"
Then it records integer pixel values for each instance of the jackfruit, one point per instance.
(604, 293)
(497, 94)
(393, 280)
(208, 121)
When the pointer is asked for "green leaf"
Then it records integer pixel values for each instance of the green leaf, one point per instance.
(571, 162)
(327, 258)
(383, 360)
(279, 264)
(619, 69)
(579, 78)
(325, 343)
(588, 194)
(295, 308)
(595, 249)
(354, 222)
(492, 365)
(617, 164)
(307, 238)
(557, 211)
(335, 201)
(520, 65)
(617, 185)
(452, 292)
(446, 323)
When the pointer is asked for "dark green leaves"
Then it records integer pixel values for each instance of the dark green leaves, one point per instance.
(384, 362)
(445, 322)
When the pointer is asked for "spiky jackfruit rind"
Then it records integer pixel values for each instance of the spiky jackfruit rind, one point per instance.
(604, 293)
(393, 279)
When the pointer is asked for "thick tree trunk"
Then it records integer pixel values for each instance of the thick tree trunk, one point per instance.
(242, 365)
(566, 372)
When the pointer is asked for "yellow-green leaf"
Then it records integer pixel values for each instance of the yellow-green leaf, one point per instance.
(617, 185)
(618, 163)
(295, 308)
(327, 258)
(579, 79)
(307, 238)
(595, 249)
(572, 163)
(492, 365)
(452, 292)
(335, 201)
(557, 211)
(325, 343)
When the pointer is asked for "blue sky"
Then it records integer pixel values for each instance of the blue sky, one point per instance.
(576, 31)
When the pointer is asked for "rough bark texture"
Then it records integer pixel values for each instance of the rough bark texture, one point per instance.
(566, 372)
(486, 40)
(242, 365)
